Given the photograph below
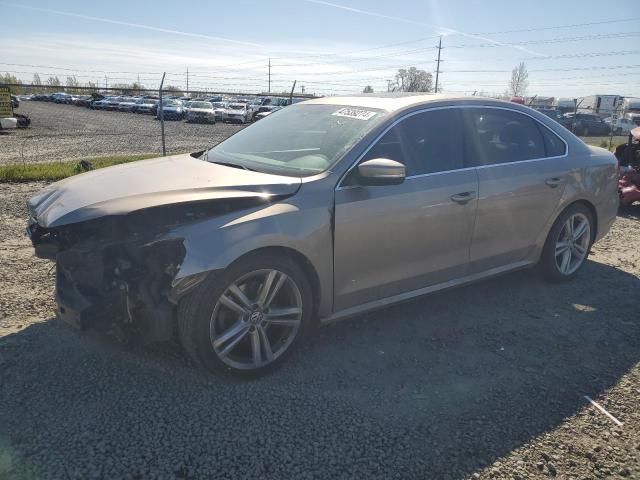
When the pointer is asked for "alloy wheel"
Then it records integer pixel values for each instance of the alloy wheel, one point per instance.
(256, 319)
(572, 245)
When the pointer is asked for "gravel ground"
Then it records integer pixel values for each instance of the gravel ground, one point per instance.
(64, 132)
(485, 381)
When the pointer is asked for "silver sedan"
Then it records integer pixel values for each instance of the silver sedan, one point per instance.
(323, 210)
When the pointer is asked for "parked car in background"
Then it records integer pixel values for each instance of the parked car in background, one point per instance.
(237, 113)
(61, 97)
(620, 126)
(144, 105)
(200, 112)
(220, 109)
(241, 249)
(265, 113)
(82, 100)
(15, 102)
(552, 113)
(171, 110)
(585, 124)
(126, 104)
(102, 103)
(112, 103)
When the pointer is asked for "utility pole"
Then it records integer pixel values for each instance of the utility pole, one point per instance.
(105, 82)
(188, 81)
(439, 47)
(269, 74)
(291, 94)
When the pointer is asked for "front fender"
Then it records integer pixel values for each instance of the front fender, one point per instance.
(215, 243)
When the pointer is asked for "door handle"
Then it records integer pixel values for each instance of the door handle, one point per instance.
(463, 198)
(553, 182)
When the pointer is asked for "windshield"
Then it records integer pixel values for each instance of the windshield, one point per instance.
(301, 140)
(218, 104)
(206, 105)
(237, 106)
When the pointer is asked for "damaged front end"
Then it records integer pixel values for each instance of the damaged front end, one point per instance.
(117, 273)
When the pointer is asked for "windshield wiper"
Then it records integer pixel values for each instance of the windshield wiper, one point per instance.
(235, 165)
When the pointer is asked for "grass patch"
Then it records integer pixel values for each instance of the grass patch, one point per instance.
(29, 172)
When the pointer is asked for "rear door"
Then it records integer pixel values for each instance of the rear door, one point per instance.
(397, 238)
(522, 171)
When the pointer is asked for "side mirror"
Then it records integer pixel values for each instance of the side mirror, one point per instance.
(381, 171)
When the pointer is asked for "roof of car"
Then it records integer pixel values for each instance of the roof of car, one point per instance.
(391, 101)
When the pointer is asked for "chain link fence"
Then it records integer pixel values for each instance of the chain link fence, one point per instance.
(83, 123)
(69, 124)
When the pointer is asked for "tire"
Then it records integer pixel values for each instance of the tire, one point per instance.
(202, 315)
(554, 255)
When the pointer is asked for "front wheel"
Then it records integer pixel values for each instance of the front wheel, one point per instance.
(568, 244)
(248, 319)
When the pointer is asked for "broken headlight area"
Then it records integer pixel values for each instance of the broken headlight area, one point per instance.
(122, 288)
(117, 273)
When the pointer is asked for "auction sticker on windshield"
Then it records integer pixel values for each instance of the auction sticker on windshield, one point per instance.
(6, 109)
(356, 113)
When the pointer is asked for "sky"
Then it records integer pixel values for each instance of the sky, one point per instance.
(571, 48)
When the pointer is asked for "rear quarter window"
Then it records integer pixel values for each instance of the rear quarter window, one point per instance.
(553, 144)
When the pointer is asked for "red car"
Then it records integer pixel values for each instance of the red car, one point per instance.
(628, 156)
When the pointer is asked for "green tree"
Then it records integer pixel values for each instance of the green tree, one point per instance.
(414, 80)
(368, 89)
(11, 80)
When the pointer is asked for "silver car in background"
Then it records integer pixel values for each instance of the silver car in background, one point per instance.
(198, 111)
(326, 209)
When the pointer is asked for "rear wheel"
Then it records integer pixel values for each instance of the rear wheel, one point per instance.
(568, 244)
(247, 320)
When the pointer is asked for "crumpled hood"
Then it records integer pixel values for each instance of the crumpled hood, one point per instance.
(137, 185)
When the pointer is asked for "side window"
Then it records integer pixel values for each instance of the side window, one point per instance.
(498, 136)
(553, 146)
(426, 142)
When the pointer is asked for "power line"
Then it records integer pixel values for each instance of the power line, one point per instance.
(586, 55)
(549, 40)
(555, 27)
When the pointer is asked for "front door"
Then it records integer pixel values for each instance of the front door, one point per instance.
(398, 238)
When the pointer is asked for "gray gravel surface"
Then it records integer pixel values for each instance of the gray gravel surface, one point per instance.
(485, 381)
(64, 132)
